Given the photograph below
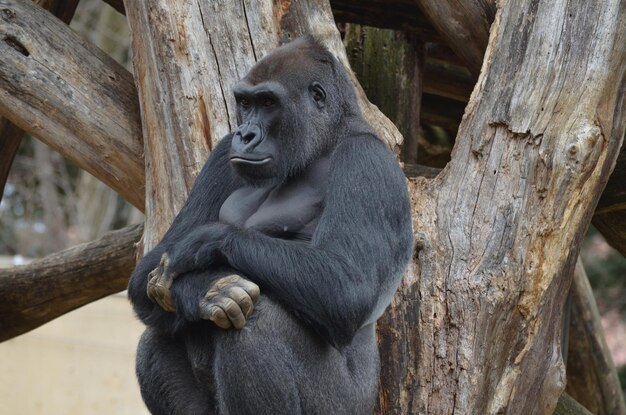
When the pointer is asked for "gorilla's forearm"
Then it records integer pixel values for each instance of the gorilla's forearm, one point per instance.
(325, 290)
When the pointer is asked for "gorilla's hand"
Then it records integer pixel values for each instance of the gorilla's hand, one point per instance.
(199, 250)
(229, 302)
(159, 284)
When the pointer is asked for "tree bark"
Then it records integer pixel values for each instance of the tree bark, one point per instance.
(498, 231)
(36, 293)
(591, 376)
(10, 134)
(70, 95)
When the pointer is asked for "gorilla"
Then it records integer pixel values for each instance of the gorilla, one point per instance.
(263, 295)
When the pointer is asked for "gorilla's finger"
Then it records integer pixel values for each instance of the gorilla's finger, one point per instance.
(164, 299)
(242, 298)
(234, 312)
(225, 281)
(216, 315)
(251, 288)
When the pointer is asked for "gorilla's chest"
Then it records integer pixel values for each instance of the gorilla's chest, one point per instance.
(290, 210)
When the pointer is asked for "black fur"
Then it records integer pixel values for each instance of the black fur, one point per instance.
(314, 209)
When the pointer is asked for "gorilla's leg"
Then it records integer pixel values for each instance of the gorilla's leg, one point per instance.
(275, 365)
(166, 379)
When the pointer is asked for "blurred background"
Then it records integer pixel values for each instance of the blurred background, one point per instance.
(83, 362)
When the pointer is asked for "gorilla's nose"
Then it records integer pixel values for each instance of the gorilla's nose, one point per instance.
(247, 137)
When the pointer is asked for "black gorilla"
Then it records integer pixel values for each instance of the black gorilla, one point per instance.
(304, 203)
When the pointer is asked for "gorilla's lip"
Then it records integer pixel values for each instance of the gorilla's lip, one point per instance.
(254, 161)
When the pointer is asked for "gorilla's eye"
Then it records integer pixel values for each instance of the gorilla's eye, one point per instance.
(268, 102)
(245, 102)
(318, 94)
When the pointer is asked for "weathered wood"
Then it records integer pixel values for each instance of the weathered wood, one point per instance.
(70, 95)
(392, 14)
(10, 134)
(498, 231)
(184, 71)
(591, 376)
(36, 293)
(396, 86)
(463, 24)
(403, 15)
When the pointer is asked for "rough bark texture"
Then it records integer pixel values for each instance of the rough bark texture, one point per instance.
(498, 231)
(70, 95)
(10, 134)
(187, 56)
(36, 293)
(591, 376)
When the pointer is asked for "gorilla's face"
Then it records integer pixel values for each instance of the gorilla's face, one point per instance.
(274, 137)
(288, 111)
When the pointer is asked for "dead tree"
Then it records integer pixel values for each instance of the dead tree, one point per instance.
(476, 326)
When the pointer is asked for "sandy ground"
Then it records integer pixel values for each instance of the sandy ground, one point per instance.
(81, 363)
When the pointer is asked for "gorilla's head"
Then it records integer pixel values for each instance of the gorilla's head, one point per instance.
(292, 108)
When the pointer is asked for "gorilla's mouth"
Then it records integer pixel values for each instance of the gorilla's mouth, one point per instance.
(250, 161)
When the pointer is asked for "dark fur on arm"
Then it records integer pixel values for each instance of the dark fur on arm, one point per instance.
(358, 251)
(212, 186)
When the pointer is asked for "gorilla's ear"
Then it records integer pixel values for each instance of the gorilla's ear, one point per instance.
(318, 94)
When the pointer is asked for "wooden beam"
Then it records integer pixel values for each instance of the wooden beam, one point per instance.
(10, 134)
(401, 15)
(464, 25)
(36, 293)
(71, 95)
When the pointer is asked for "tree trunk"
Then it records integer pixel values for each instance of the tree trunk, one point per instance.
(499, 230)
(475, 327)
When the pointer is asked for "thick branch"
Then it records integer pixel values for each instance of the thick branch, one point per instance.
(43, 290)
(10, 134)
(71, 95)
(591, 376)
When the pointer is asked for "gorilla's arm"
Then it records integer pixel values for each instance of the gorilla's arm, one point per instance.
(212, 186)
(346, 276)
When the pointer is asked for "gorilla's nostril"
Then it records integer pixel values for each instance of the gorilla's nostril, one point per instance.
(248, 137)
